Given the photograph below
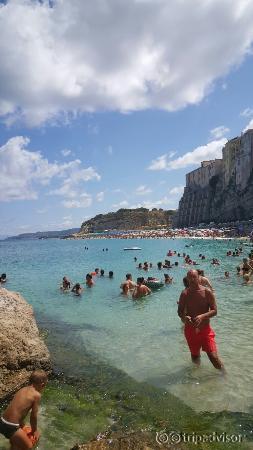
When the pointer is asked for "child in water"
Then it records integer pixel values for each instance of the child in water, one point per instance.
(25, 400)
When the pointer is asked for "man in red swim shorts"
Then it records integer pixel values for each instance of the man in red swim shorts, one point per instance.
(196, 306)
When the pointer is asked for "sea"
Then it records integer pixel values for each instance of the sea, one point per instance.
(135, 343)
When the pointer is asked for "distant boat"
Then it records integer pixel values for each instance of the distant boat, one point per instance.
(132, 248)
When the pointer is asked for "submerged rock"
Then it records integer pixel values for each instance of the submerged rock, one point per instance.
(134, 441)
(21, 348)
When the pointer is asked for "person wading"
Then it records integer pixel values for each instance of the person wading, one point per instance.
(196, 306)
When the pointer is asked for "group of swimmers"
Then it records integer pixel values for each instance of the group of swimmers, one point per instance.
(76, 288)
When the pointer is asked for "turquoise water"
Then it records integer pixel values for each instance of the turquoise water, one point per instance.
(144, 339)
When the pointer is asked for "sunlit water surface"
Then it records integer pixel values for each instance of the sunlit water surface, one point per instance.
(143, 338)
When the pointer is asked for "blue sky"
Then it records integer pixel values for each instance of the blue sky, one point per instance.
(109, 104)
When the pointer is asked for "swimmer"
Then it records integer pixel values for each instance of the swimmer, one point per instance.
(227, 274)
(130, 282)
(140, 290)
(238, 271)
(77, 289)
(204, 281)
(145, 266)
(125, 288)
(111, 274)
(25, 400)
(246, 279)
(102, 272)
(65, 284)
(167, 279)
(89, 280)
(3, 278)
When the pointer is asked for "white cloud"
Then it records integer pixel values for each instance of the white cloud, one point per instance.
(160, 163)
(109, 150)
(84, 201)
(22, 171)
(247, 112)
(100, 196)
(143, 190)
(115, 55)
(249, 126)
(67, 221)
(219, 132)
(209, 151)
(176, 190)
(122, 204)
(66, 152)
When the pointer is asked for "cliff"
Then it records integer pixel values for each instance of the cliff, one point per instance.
(21, 348)
(128, 219)
(220, 191)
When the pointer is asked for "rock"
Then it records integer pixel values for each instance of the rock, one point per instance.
(21, 348)
(134, 441)
(128, 219)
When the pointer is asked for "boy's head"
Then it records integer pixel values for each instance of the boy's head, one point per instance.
(39, 379)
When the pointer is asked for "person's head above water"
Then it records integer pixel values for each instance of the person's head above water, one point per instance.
(102, 272)
(129, 276)
(88, 276)
(140, 280)
(111, 274)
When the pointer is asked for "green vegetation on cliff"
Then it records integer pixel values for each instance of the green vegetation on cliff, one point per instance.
(129, 219)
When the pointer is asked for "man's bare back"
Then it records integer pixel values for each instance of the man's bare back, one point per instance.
(24, 400)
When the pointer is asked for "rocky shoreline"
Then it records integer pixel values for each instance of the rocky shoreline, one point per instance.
(21, 347)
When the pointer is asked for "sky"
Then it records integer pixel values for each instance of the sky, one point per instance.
(107, 104)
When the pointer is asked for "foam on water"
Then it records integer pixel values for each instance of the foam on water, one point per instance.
(143, 338)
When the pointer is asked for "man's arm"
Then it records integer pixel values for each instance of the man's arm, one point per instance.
(34, 413)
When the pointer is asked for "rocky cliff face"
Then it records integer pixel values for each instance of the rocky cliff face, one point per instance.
(128, 219)
(21, 348)
(215, 204)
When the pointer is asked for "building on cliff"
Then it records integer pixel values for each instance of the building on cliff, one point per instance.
(220, 190)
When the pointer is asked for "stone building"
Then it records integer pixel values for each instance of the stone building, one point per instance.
(222, 189)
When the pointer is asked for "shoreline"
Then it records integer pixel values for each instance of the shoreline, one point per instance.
(154, 236)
